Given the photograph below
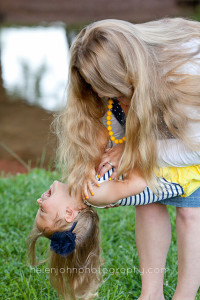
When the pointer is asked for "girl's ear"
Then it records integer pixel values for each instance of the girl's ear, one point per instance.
(70, 214)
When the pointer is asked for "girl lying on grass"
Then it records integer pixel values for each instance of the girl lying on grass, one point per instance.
(72, 225)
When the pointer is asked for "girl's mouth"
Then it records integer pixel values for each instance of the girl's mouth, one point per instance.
(46, 194)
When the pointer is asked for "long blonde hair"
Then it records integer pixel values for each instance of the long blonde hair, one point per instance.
(76, 276)
(141, 62)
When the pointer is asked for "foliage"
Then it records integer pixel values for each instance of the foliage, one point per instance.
(121, 269)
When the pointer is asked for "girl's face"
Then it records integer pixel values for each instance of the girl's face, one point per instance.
(56, 202)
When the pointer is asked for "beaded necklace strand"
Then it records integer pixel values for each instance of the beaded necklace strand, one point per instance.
(109, 113)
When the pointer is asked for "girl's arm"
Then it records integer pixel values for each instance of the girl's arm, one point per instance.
(111, 191)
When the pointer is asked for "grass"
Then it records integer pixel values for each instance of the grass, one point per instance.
(122, 275)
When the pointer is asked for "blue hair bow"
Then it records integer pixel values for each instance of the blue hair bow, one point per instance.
(63, 243)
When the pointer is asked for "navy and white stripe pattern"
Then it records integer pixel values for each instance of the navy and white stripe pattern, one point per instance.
(167, 190)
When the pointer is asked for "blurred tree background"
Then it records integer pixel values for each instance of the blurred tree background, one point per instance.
(25, 112)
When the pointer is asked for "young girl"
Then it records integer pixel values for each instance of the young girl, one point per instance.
(73, 227)
(77, 252)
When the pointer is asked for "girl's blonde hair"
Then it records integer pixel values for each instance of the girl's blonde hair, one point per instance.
(76, 276)
(140, 62)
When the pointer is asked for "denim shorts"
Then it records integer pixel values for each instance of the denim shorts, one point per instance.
(191, 201)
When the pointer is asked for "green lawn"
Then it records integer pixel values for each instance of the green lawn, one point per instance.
(20, 281)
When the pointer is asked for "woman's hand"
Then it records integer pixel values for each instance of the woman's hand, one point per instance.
(110, 159)
(88, 185)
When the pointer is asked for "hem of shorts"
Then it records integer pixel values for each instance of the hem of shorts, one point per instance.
(182, 204)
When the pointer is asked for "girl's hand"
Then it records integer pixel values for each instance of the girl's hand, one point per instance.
(113, 156)
(88, 185)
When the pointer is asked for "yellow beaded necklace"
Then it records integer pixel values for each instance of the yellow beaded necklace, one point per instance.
(109, 113)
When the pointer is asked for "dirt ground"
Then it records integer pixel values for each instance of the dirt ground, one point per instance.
(25, 137)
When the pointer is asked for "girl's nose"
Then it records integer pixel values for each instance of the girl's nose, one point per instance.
(39, 201)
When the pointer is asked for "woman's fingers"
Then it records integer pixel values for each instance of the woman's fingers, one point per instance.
(105, 158)
(105, 169)
(108, 149)
(112, 155)
(102, 164)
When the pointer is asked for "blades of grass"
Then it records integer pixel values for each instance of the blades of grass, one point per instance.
(108, 295)
(25, 297)
(41, 293)
(33, 294)
(48, 293)
(37, 163)
(21, 161)
(120, 294)
(42, 158)
(114, 293)
(29, 163)
(24, 280)
(50, 164)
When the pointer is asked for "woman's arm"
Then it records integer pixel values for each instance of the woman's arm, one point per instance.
(111, 191)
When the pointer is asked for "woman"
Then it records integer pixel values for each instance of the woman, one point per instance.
(152, 70)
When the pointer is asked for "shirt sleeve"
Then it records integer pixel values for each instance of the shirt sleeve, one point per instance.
(173, 152)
